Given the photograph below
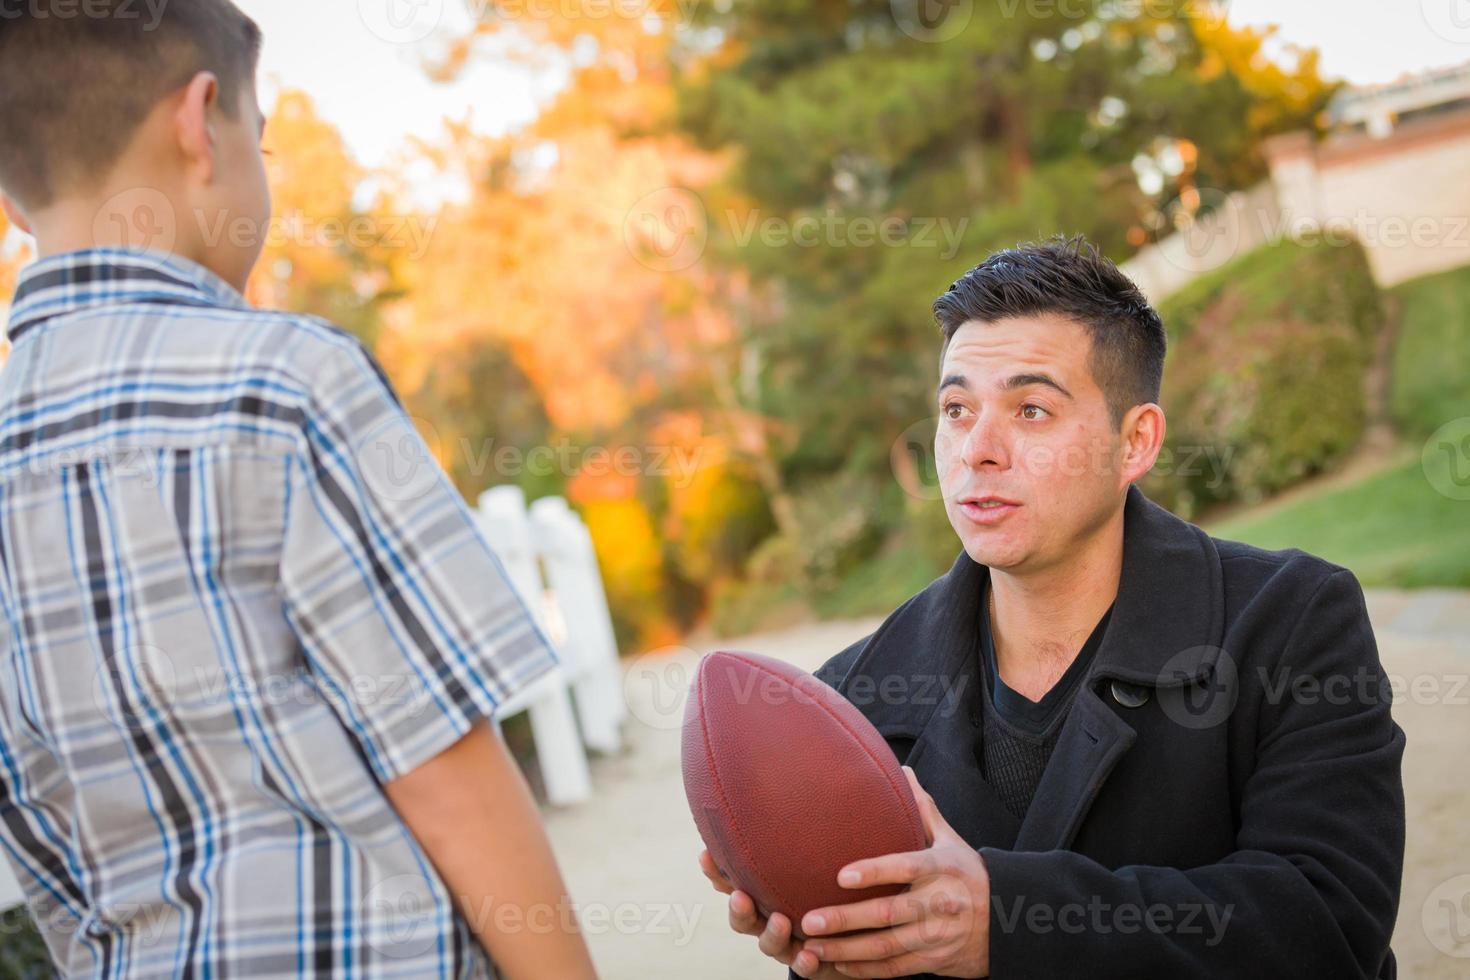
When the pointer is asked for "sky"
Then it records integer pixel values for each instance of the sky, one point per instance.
(362, 61)
(371, 84)
(362, 64)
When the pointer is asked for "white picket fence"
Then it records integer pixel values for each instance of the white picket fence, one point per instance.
(548, 554)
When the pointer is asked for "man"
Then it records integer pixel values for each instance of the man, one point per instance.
(251, 636)
(1175, 757)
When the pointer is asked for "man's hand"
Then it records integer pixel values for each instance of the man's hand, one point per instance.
(940, 925)
(774, 933)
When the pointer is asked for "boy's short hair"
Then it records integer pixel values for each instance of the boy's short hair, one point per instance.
(76, 83)
(1069, 278)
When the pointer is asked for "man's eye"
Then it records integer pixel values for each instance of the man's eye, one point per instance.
(1032, 408)
(950, 410)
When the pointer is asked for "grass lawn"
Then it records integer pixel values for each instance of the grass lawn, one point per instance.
(880, 585)
(1431, 362)
(1392, 529)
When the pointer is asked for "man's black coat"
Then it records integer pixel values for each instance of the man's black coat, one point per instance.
(1225, 799)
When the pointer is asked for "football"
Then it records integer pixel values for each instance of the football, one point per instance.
(788, 783)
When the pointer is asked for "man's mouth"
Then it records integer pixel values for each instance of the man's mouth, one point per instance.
(985, 510)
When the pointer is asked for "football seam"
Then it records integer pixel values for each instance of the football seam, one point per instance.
(714, 773)
(923, 837)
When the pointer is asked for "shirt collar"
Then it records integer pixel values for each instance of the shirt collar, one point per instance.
(72, 281)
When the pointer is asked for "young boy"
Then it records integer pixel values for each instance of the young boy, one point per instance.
(251, 637)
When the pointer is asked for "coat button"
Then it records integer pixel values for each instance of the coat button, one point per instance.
(1129, 695)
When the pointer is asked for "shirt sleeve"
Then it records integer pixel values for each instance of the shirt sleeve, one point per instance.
(405, 615)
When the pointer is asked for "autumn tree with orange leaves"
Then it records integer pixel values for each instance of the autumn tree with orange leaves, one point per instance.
(580, 253)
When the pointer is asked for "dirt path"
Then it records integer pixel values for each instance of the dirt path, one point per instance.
(629, 855)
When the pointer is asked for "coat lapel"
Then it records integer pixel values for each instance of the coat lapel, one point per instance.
(1092, 740)
(1167, 623)
(943, 759)
(929, 643)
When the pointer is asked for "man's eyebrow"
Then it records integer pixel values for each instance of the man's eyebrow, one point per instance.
(1009, 384)
(958, 380)
(1023, 380)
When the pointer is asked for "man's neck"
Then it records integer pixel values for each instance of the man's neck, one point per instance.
(1039, 621)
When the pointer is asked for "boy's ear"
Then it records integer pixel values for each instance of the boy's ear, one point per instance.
(194, 122)
(15, 214)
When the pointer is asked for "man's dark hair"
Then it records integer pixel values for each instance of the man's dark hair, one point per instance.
(75, 85)
(1069, 278)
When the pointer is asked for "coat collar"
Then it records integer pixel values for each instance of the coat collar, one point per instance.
(1165, 631)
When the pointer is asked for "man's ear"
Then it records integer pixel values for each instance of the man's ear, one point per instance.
(194, 125)
(15, 214)
(1143, 438)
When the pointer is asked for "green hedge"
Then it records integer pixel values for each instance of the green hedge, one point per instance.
(1431, 359)
(1264, 381)
(23, 953)
(863, 546)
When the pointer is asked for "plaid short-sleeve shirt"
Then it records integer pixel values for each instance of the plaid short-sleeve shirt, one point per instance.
(238, 595)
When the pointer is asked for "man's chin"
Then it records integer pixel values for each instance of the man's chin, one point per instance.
(994, 554)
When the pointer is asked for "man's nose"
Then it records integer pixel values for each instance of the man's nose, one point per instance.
(984, 442)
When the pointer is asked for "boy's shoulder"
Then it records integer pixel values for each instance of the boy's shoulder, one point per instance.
(315, 352)
(312, 340)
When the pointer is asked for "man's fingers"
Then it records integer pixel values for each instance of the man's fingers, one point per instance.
(806, 965)
(712, 872)
(906, 965)
(903, 868)
(875, 913)
(744, 918)
(928, 811)
(936, 828)
(883, 944)
(775, 940)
